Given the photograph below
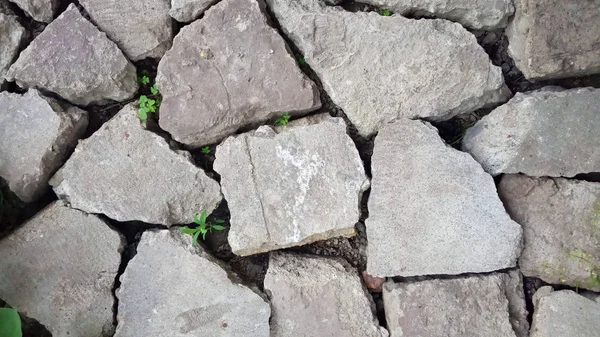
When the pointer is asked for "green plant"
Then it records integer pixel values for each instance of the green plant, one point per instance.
(586, 260)
(144, 79)
(205, 150)
(10, 323)
(147, 105)
(386, 12)
(283, 120)
(302, 61)
(203, 227)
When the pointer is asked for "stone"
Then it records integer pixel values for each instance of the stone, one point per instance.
(317, 297)
(291, 188)
(189, 10)
(37, 134)
(59, 268)
(73, 59)
(542, 133)
(129, 173)
(432, 209)
(172, 288)
(141, 28)
(39, 10)
(12, 36)
(227, 71)
(414, 74)
(560, 220)
(554, 38)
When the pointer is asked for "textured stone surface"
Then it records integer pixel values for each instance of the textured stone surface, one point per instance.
(541, 133)
(432, 209)
(39, 10)
(288, 189)
(37, 134)
(12, 35)
(555, 38)
(422, 68)
(561, 228)
(171, 288)
(59, 268)
(189, 10)
(72, 58)
(141, 28)
(227, 71)
(318, 297)
(129, 173)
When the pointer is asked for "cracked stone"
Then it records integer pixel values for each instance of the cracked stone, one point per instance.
(12, 36)
(189, 10)
(39, 10)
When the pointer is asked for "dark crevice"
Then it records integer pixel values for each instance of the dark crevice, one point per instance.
(410, 279)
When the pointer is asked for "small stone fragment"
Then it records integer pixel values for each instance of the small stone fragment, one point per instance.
(318, 297)
(72, 58)
(172, 288)
(39, 10)
(291, 188)
(372, 282)
(59, 268)
(189, 10)
(12, 35)
(129, 173)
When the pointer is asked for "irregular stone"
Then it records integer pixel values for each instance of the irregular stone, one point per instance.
(414, 74)
(39, 10)
(318, 297)
(291, 188)
(59, 268)
(37, 134)
(12, 35)
(513, 285)
(141, 28)
(72, 58)
(540, 133)
(555, 38)
(560, 220)
(189, 10)
(228, 71)
(129, 173)
(172, 288)
(432, 209)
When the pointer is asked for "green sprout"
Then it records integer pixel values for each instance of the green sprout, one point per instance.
(386, 12)
(154, 89)
(203, 227)
(144, 80)
(147, 105)
(302, 61)
(283, 120)
(10, 323)
(205, 150)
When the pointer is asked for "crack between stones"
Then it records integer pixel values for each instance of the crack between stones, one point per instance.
(262, 207)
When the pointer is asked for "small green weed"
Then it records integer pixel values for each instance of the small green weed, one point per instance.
(386, 12)
(203, 228)
(10, 323)
(147, 105)
(587, 261)
(302, 61)
(283, 120)
(205, 150)
(144, 79)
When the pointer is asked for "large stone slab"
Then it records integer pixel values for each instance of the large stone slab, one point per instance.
(129, 173)
(414, 72)
(318, 297)
(555, 38)
(72, 58)
(291, 188)
(59, 268)
(227, 71)
(12, 35)
(561, 227)
(171, 288)
(189, 10)
(432, 209)
(39, 10)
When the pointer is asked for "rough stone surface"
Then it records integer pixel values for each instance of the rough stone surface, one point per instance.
(555, 38)
(561, 227)
(430, 69)
(37, 134)
(141, 28)
(189, 10)
(12, 35)
(432, 209)
(227, 71)
(171, 288)
(288, 189)
(59, 268)
(318, 297)
(39, 10)
(129, 173)
(72, 58)
(542, 133)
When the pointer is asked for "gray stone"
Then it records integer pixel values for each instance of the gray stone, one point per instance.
(141, 28)
(129, 173)
(39, 10)
(414, 72)
(432, 209)
(72, 58)
(189, 10)
(59, 268)
(540, 133)
(560, 220)
(227, 71)
(37, 134)
(318, 297)
(12, 35)
(171, 288)
(289, 189)
(517, 311)
(555, 38)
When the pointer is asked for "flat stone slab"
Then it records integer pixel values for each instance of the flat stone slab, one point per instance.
(432, 209)
(37, 134)
(12, 35)
(73, 59)
(171, 288)
(291, 188)
(549, 132)
(561, 227)
(189, 10)
(59, 268)
(318, 297)
(39, 10)
(555, 38)
(129, 173)
(227, 71)
(413, 74)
